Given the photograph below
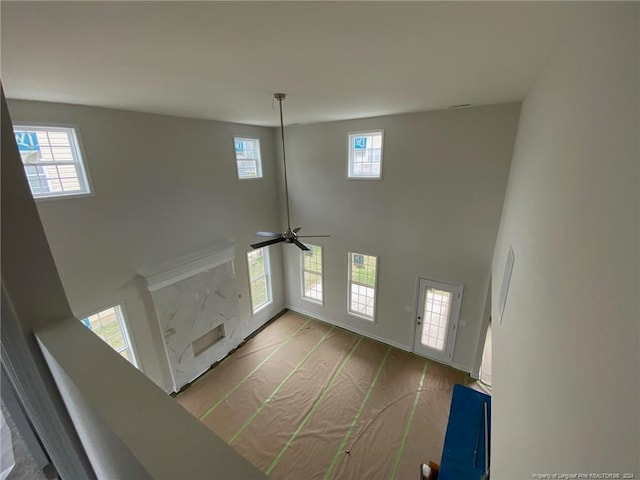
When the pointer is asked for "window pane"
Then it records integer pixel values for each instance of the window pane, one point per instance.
(259, 286)
(259, 293)
(116, 342)
(247, 152)
(256, 264)
(437, 307)
(52, 160)
(312, 261)
(365, 155)
(363, 269)
(362, 287)
(312, 273)
(313, 286)
(109, 326)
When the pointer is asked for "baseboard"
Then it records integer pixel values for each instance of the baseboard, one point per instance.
(350, 328)
(263, 324)
(457, 366)
(401, 346)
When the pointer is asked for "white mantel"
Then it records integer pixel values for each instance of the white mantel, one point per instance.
(193, 295)
(165, 273)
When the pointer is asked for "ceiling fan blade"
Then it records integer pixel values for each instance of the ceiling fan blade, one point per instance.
(267, 243)
(267, 234)
(301, 245)
(296, 230)
(312, 236)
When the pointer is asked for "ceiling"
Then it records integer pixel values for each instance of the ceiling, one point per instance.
(224, 60)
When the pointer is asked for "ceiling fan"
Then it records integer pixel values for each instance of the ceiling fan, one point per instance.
(289, 236)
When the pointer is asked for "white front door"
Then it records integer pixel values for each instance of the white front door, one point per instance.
(437, 319)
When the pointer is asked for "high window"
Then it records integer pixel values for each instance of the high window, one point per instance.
(363, 277)
(52, 161)
(311, 263)
(365, 155)
(248, 157)
(110, 326)
(259, 278)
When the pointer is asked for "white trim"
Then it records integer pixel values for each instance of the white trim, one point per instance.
(132, 345)
(79, 151)
(169, 272)
(484, 325)
(455, 365)
(63, 197)
(372, 319)
(267, 276)
(364, 333)
(446, 355)
(506, 281)
(364, 132)
(258, 159)
(260, 325)
(302, 270)
(264, 305)
(122, 321)
(372, 336)
(256, 322)
(121, 318)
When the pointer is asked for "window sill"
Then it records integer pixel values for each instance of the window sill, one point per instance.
(262, 307)
(315, 302)
(63, 197)
(362, 317)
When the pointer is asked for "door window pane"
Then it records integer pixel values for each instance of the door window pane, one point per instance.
(437, 307)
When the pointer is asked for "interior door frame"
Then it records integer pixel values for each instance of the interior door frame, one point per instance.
(446, 356)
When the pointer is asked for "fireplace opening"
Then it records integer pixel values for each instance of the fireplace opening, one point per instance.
(208, 340)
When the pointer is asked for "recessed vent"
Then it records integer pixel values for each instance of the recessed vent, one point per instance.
(208, 340)
(462, 105)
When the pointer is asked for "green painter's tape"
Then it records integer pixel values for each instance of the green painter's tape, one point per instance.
(248, 375)
(356, 418)
(313, 409)
(407, 427)
(273, 394)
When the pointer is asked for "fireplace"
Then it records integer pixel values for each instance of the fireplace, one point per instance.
(196, 301)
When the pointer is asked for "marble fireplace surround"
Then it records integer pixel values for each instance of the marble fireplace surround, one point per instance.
(192, 295)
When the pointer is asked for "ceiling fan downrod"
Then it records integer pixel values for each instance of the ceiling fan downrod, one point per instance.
(289, 236)
(280, 97)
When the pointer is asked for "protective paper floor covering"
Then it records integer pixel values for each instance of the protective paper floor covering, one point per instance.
(302, 393)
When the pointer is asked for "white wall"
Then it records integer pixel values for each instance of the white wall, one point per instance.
(129, 427)
(163, 186)
(566, 356)
(32, 296)
(435, 214)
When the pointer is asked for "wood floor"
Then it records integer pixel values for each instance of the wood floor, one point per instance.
(306, 400)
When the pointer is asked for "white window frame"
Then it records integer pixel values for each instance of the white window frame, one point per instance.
(78, 153)
(360, 315)
(350, 136)
(258, 158)
(456, 290)
(122, 324)
(267, 275)
(302, 272)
